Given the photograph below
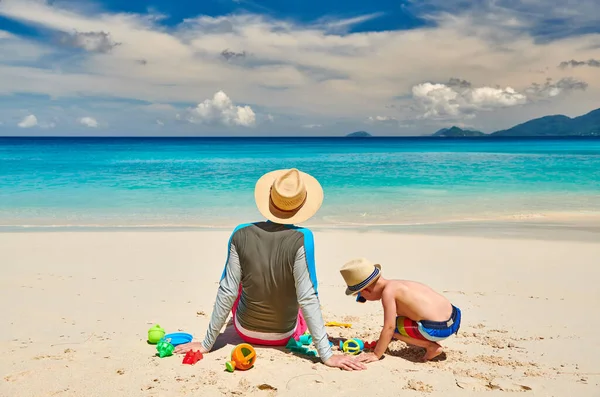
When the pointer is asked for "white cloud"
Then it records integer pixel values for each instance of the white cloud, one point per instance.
(159, 122)
(311, 126)
(488, 97)
(28, 121)
(270, 118)
(88, 122)
(552, 89)
(437, 99)
(442, 101)
(221, 110)
(382, 119)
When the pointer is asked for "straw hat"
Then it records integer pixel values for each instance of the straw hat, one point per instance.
(359, 274)
(288, 196)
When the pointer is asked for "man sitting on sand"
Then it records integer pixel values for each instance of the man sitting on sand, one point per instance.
(413, 312)
(269, 282)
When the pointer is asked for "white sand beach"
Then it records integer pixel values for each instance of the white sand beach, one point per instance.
(77, 307)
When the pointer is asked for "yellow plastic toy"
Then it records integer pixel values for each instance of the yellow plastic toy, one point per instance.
(243, 357)
(336, 324)
(352, 346)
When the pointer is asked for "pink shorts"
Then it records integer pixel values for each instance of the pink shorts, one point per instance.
(264, 338)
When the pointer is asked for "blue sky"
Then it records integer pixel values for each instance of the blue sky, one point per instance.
(245, 67)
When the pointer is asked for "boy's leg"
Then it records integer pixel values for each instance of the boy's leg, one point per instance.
(407, 330)
(433, 349)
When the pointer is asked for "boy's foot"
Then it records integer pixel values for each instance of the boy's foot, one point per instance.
(432, 351)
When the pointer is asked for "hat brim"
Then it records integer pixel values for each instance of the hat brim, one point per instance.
(349, 292)
(262, 196)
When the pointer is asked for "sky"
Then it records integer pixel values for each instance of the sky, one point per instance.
(303, 68)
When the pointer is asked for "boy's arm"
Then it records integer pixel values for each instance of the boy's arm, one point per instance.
(388, 300)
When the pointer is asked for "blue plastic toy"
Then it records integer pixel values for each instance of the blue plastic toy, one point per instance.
(352, 346)
(178, 338)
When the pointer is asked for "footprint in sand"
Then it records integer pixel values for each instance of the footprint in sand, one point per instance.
(454, 292)
(304, 381)
(211, 378)
(417, 385)
(151, 386)
(495, 384)
(16, 377)
(59, 392)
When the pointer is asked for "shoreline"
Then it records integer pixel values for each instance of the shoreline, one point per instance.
(565, 228)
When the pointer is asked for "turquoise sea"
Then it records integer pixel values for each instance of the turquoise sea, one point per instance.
(209, 182)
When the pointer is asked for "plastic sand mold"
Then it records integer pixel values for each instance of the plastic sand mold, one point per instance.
(179, 338)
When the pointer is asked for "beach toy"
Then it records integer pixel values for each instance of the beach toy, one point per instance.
(192, 357)
(352, 346)
(336, 324)
(306, 339)
(179, 338)
(164, 348)
(297, 347)
(370, 345)
(155, 334)
(243, 358)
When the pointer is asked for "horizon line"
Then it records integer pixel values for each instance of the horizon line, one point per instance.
(351, 138)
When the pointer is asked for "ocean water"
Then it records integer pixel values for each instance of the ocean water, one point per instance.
(209, 182)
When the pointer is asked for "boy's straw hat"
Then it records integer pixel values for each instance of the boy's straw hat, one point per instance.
(359, 274)
(288, 196)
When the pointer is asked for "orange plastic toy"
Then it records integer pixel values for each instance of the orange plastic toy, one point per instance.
(243, 357)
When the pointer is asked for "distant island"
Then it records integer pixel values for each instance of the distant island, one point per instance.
(456, 132)
(555, 125)
(358, 134)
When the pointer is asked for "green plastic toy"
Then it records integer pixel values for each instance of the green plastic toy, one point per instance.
(306, 339)
(164, 348)
(297, 347)
(155, 334)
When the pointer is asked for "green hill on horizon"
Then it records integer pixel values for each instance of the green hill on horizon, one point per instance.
(358, 134)
(455, 131)
(557, 125)
(553, 125)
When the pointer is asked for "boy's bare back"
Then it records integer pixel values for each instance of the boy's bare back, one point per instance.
(418, 301)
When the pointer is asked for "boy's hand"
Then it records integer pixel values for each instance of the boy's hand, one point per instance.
(190, 346)
(367, 358)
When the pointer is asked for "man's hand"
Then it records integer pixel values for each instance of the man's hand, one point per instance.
(344, 362)
(367, 358)
(190, 346)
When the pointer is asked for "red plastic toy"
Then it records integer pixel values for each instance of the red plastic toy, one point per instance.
(192, 357)
(370, 345)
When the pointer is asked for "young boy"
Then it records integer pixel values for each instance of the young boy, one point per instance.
(413, 312)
